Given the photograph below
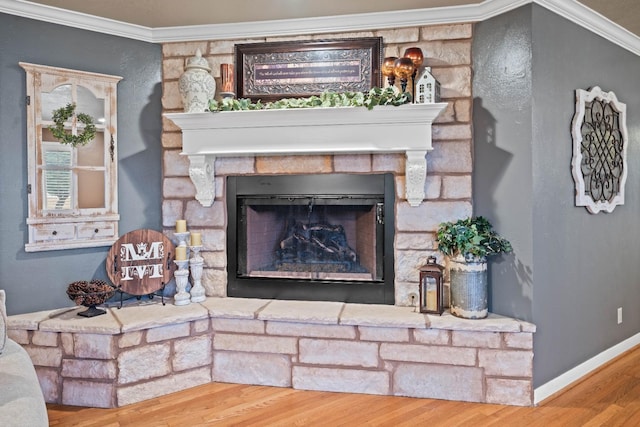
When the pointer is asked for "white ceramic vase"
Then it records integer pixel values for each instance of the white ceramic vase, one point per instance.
(197, 86)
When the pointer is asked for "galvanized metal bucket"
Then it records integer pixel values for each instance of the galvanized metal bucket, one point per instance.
(469, 294)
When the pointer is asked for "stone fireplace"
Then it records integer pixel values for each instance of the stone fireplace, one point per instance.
(442, 192)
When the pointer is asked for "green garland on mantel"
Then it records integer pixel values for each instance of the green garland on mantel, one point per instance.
(376, 96)
(62, 116)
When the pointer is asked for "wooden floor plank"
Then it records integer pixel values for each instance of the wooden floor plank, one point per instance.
(608, 397)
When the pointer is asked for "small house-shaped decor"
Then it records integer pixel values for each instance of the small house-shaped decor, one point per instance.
(427, 87)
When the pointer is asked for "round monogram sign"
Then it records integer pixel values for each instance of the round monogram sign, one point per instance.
(140, 262)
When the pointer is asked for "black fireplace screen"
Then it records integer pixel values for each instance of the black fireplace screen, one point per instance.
(314, 237)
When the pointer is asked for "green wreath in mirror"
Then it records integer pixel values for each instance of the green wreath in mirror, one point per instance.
(62, 115)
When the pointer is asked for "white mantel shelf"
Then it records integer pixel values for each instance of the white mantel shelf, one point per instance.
(341, 130)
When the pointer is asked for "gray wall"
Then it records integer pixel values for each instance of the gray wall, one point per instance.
(503, 178)
(572, 269)
(38, 281)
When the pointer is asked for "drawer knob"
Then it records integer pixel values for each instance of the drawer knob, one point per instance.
(95, 231)
(54, 232)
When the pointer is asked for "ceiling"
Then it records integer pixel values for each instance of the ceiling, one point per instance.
(175, 13)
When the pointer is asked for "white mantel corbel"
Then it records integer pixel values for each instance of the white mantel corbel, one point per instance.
(202, 174)
(343, 130)
(415, 175)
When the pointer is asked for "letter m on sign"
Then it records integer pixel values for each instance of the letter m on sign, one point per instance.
(129, 253)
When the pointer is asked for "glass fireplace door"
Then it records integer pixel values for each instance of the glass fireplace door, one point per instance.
(311, 237)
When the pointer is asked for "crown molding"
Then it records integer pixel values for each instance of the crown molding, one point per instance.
(73, 19)
(593, 21)
(569, 9)
(338, 24)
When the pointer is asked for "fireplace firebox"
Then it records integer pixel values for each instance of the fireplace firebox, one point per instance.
(311, 237)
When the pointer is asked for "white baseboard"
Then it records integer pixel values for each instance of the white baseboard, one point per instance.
(569, 377)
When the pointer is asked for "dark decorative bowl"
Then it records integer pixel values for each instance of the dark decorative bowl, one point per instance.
(90, 294)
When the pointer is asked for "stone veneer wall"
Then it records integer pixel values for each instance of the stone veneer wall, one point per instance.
(143, 351)
(447, 50)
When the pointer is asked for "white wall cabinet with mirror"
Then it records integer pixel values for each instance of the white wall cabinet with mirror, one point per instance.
(72, 188)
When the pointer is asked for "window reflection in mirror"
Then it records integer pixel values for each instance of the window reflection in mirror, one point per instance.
(90, 189)
(57, 177)
(57, 98)
(89, 104)
(92, 154)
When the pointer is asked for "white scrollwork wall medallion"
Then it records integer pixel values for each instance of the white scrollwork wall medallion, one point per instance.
(599, 163)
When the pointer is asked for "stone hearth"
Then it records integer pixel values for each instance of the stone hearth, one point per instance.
(147, 350)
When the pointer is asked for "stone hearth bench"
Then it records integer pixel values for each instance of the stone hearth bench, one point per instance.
(147, 350)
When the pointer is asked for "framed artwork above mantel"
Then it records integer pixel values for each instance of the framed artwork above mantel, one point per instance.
(276, 70)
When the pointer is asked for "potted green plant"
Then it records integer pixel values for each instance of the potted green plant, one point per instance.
(467, 243)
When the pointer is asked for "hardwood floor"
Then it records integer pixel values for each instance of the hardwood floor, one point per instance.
(608, 397)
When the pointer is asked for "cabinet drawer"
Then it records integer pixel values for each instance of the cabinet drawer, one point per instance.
(48, 232)
(96, 230)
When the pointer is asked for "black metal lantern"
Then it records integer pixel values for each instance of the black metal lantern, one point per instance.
(431, 287)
